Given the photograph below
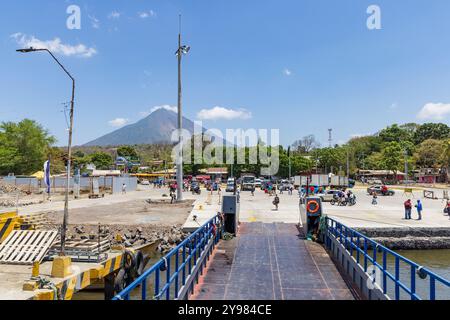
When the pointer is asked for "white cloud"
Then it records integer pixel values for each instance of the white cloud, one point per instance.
(165, 107)
(119, 122)
(114, 15)
(156, 108)
(287, 72)
(434, 111)
(217, 113)
(55, 45)
(146, 14)
(94, 22)
(393, 106)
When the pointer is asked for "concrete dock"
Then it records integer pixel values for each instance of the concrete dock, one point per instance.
(271, 261)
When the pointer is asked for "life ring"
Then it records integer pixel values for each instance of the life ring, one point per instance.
(316, 208)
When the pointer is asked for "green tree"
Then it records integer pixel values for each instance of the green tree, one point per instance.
(395, 133)
(393, 157)
(24, 147)
(127, 151)
(429, 153)
(102, 160)
(437, 131)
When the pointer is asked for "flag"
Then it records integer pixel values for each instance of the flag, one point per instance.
(47, 175)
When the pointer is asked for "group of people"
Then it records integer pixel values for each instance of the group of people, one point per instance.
(345, 196)
(408, 209)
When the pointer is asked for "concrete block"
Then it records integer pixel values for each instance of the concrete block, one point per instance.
(61, 267)
(30, 286)
(45, 295)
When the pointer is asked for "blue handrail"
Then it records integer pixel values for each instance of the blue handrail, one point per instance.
(350, 239)
(190, 251)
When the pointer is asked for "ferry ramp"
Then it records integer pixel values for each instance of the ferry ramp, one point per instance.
(271, 261)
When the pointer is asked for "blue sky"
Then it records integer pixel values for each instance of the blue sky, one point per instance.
(302, 66)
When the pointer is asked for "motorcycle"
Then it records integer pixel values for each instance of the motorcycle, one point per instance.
(352, 201)
(339, 201)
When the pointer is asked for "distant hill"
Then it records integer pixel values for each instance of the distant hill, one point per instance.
(157, 128)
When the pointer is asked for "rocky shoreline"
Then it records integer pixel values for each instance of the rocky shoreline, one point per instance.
(409, 238)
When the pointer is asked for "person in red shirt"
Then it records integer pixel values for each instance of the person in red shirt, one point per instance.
(408, 209)
(384, 190)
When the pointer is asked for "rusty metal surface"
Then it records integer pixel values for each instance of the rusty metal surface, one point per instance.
(271, 262)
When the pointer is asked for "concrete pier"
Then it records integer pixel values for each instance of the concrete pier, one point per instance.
(271, 261)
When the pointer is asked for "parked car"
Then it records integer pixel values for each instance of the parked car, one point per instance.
(230, 186)
(328, 195)
(145, 182)
(378, 189)
(285, 185)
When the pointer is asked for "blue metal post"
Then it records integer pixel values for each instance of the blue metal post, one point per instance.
(384, 271)
(157, 276)
(397, 278)
(413, 282)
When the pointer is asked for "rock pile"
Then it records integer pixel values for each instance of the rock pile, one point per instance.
(131, 236)
(6, 188)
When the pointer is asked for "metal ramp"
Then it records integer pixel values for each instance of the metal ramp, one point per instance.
(26, 247)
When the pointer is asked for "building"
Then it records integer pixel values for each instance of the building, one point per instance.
(432, 175)
(216, 173)
(383, 175)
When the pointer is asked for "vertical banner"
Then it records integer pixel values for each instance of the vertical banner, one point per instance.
(47, 175)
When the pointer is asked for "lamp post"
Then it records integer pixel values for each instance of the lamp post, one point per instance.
(405, 152)
(69, 148)
(182, 50)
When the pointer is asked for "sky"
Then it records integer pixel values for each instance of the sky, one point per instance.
(301, 66)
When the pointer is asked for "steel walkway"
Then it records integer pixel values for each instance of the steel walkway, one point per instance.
(270, 262)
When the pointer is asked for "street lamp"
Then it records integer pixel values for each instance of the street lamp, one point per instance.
(182, 50)
(69, 160)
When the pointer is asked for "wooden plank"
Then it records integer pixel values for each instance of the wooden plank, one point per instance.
(9, 249)
(20, 254)
(26, 247)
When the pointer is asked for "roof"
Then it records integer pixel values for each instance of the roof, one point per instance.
(216, 171)
(380, 172)
(102, 173)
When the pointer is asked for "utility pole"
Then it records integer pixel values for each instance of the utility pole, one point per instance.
(69, 147)
(406, 165)
(330, 137)
(348, 165)
(290, 167)
(180, 181)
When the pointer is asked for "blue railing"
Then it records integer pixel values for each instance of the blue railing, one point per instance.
(188, 259)
(366, 250)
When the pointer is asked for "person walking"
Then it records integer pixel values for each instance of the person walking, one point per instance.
(124, 188)
(408, 209)
(276, 202)
(374, 199)
(447, 208)
(419, 208)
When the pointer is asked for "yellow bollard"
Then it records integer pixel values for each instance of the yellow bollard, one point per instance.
(35, 273)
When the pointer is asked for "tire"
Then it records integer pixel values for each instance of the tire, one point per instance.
(120, 283)
(333, 202)
(140, 263)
